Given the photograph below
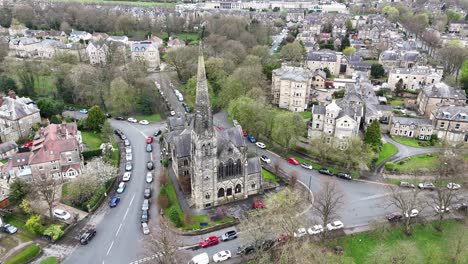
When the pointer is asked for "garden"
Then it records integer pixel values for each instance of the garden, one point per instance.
(414, 164)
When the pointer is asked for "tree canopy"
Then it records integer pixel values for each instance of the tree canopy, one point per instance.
(373, 134)
(95, 119)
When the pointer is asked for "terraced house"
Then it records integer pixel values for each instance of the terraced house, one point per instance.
(419, 128)
(451, 124)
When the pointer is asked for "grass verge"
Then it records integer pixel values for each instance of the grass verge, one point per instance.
(269, 176)
(50, 260)
(25, 256)
(91, 140)
(150, 118)
(423, 162)
(387, 151)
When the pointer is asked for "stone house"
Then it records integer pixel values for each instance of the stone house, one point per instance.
(391, 59)
(47, 48)
(175, 43)
(418, 128)
(414, 78)
(17, 116)
(7, 149)
(334, 61)
(291, 88)
(97, 52)
(434, 96)
(458, 28)
(23, 47)
(295, 15)
(451, 124)
(318, 79)
(76, 36)
(147, 51)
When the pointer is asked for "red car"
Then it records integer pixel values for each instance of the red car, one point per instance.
(149, 140)
(283, 237)
(244, 132)
(28, 145)
(258, 205)
(211, 241)
(293, 161)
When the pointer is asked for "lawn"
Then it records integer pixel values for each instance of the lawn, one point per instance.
(150, 118)
(423, 162)
(387, 151)
(91, 140)
(25, 256)
(182, 36)
(413, 142)
(317, 166)
(269, 176)
(50, 260)
(134, 3)
(306, 115)
(397, 102)
(430, 246)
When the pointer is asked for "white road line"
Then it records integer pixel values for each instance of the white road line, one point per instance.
(126, 212)
(108, 251)
(131, 201)
(118, 230)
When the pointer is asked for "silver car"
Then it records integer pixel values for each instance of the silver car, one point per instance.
(145, 205)
(128, 166)
(149, 177)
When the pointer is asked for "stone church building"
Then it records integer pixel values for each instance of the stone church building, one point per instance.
(214, 163)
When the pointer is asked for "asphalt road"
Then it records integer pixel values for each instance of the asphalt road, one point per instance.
(277, 39)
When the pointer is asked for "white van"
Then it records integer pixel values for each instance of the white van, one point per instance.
(200, 259)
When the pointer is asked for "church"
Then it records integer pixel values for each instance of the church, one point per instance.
(214, 163)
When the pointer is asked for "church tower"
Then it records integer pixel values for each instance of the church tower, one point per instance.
(203, 149)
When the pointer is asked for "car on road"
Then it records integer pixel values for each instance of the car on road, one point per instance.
(144, 216)
(127, 142)
(108, 115)
(157, 133)
(260, 145)
(222, 256)
(150, 165)
(119, 118)
(300, 232)
(128, 150)
(62, 214)
(245, 250)
(316, 229)
(172, 113)
(87, 236)
(244, 132)
(335, 225)
(413, 213)
(293, 161)
(283, 237)
(426, 186)
(128, 157)
(147, 193)
(149, 140)
(84, 111)
(202, 258)
(453, 186)
(145, 205)
(149, 148)
(406, 184)
(251, 139)
(258, 204)
(143, 122)
(443, 209)
(123, 137)
(229, 235)
(210, 241)
(265, 159)
(145, 228)
(128, 166)
(9, 229)
(326, 172)
(132, 120)
(149, 177)
(118, 132)
(187, 109)
(114, 201)
(126, 177)
(121, 187)
(306, 166)
(393, 217)
(344, 176)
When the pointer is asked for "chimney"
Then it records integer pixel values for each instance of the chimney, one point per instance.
(12, 94)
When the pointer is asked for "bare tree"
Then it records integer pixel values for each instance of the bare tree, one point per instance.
(293, 179)
(276, 167)
(405, 201)
(327, 202)
(47, 189)
(163, 247)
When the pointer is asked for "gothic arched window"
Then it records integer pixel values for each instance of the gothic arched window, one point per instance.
(238, 188)
(221, 193)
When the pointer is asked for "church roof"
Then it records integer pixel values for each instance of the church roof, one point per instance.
(182, 145)
(253, 166)
(234, 134)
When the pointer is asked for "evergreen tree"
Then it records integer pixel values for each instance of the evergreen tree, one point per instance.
(95, 119)
(377, 70)
(373, 134)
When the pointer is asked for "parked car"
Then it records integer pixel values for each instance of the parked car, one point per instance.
(453, 186)
(244, 133)
(147, 193)
(406, 184)
(251, 139)
(210, 241)
(143, 122)
(114, 201)
(132, 120)
(62, 214)
(316, 229)
(84, 111)
(187, 109)
(9, 229)
(145, 228)
(127, 142)
(461, 206)
(149, 177)
(413, 213)
(344, 176)
(157, 133)
(258, 205)
(245, 250)
(128, 150)
(202, 258)
(119, 118)
(426, 186)
(443, 209)
(149, 140)
(283, 237)
(87, 236)
(300, 232)
(121, 187)
(126, 177)
(326, 172)
(260, 145)
(229, 235)
(145, 205)
(128, 157)
(265, 159)
(222, 256)
(108, 115)
(172, 113)
(128, 166)
(293, 161)
(335, 225)
(393, 217)
(306, 166)
(150, 165)
(144, 216)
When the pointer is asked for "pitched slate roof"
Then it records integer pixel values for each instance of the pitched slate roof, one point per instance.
(253, 166)
(442, 90)
(321, 55)
(297, 74)
(182, 144)
(453, 113)
(7, 146)
(318, 109)
(17, 108)
(412, 121)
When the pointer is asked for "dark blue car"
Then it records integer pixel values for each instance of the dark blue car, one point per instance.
(114, 201)
(251, 139)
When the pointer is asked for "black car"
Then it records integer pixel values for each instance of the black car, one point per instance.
(187, 109)
(87, 236)
(394, 217)
(108, 115)
(344, 176)
(157, 133)
(147, 193)
(245, 250)
(149, 148)
(184, 104)
(326, 172)
(119, 118)
(230, 235)
(144, 216)
(118, 132)
(150, 165)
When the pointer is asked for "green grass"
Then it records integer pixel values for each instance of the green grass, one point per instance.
(306, 115)
(150, 118)
(317, 166)
(423, 162)
(387, 151)
(19, 220)
(50, 260)
(269, 176)
(412, 142)
(133, 3)
(25, 256)
(44, 85)
(424, 236)
(397, 102)
(181, 36)
(91, 139)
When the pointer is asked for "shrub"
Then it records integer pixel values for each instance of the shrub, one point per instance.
(34, 224)
(56, 119)
(89, 154)
(163, 201)
(25, 256)
(165, 163)
(175, 216)
(390, 166)
(54, 231)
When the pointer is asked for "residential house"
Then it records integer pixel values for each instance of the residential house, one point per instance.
(17, 116)
(295, 15)
(175, 43)
(318, 79)
(23, 47)
(159, 42)
(47, 48)
(17, 30)
(99, 36)
(119, 39)
(334, 61)
(76, 36)
(147, 51)
(7, 149)
(391, 59)
(291, 88)
(418, 128)
(97, 52)
(458, 28)
(414, 78)
(451, 123)
(434, 96)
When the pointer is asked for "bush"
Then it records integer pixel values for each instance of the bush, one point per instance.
(175, 216)
(25, 256)
(56, 119)
(165, 163)
(89, 154)
(390, 166)
(34, 225)
(163, 201)
(54, 231)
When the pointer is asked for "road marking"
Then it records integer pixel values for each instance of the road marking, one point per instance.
(108, 251)
(373, 182)
(126, 212)
(131, 201)
(118, 230)
(374, 197)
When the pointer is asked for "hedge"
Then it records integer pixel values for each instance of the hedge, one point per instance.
(94, 201)
(89, 154)
(25, 256)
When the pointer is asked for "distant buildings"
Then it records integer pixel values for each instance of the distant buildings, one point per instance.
(146, 51)
(291, 88)
(451, 123)
(414, 78)
(97, 52)
(435, 96)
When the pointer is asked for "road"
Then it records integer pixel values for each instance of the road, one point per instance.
(277, 39)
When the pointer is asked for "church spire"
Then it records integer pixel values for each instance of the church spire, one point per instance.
(203, 123)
